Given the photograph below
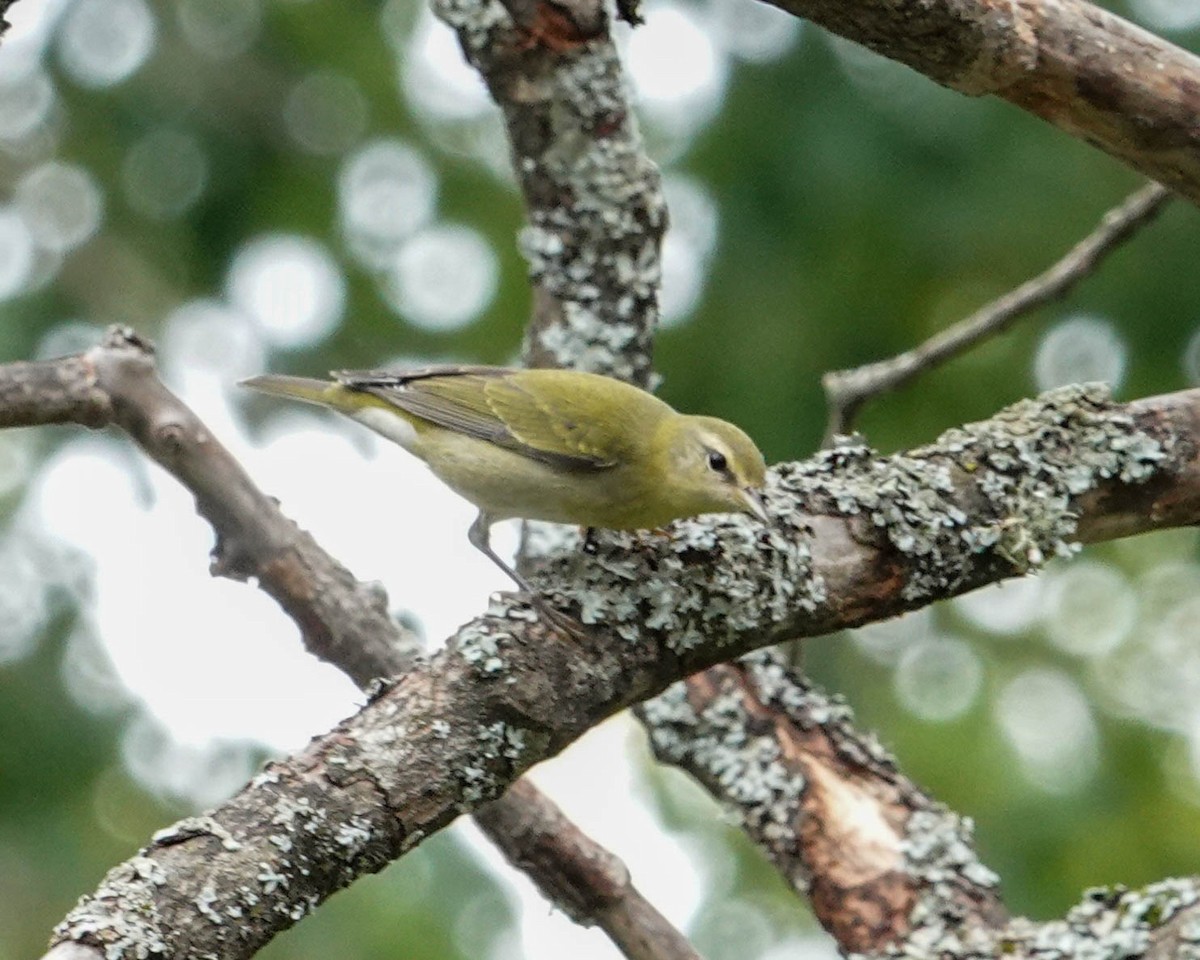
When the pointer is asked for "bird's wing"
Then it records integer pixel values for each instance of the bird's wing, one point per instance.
(551, 412)
(494, 404)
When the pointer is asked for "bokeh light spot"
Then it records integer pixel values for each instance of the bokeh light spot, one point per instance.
(1080, 349)
(290, 285)
(437, 82)
(61, 203)
(63, 339)
(1165, 585)
(1006, 608)
(1168, 15)
(325, 113)
(677, 73)
(16, 253)
(208, 338)
(886, 640)
(23, 607)
(30, 22)
(99, 466)
(687, 247)
(164, 173)
(938, 678)
(1046, 718)
(220, 28)
(25, 103)
(103, 42)
(443, 278)
(88, 673)
(1090, 609)
(386, 191)
(671, 58)
(15, 461)
(199, 774)
(732, 928)
(751, 30)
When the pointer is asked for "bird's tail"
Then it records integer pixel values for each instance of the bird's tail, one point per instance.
(321, 392)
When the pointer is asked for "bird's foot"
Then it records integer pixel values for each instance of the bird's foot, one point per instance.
(590, 546)
(562, 623)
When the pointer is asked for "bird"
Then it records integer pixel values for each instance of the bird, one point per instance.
(563, 446)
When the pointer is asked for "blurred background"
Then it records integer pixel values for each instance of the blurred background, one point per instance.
(296, 185)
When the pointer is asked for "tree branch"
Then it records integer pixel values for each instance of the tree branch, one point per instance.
(596, 210)
(343, 621)
(596, 219)
(586, 882)
(1083, 69)
(856, 537)
(890, 872)
(826, 804)
(846, 391)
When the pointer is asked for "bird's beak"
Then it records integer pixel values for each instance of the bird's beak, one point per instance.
(753, 504)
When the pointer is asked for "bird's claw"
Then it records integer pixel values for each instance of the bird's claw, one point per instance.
(562, 623)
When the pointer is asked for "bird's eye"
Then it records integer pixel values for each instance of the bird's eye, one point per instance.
(717, 461)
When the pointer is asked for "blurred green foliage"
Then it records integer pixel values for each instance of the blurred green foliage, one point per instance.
(854, 221)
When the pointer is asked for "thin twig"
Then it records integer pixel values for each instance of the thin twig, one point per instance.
(846, 391)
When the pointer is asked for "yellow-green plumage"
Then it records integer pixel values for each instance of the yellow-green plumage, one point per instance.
(555, 445)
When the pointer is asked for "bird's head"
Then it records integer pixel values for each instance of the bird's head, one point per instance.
(714, 468)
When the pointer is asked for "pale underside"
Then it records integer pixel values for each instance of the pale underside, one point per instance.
(505, 484)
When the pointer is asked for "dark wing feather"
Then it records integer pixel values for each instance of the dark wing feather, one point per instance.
(482, 402)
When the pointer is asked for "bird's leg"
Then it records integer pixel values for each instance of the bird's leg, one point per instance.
(480, 536)
(590, 546)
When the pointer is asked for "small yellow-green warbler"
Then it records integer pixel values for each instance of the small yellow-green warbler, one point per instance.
(554, 445)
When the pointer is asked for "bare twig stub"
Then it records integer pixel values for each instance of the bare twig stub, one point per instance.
(855, 537)
(1083, 69)
(344, 622)
(846, 391)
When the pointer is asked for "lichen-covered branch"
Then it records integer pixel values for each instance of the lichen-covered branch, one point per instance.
(117, 383)
(890, 872)
(594, 199)
(596, 220)
(878, 858)
(1083, 69)
(846, 391)
(855, 537)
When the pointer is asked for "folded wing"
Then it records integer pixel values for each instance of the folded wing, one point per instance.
(534, 413)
